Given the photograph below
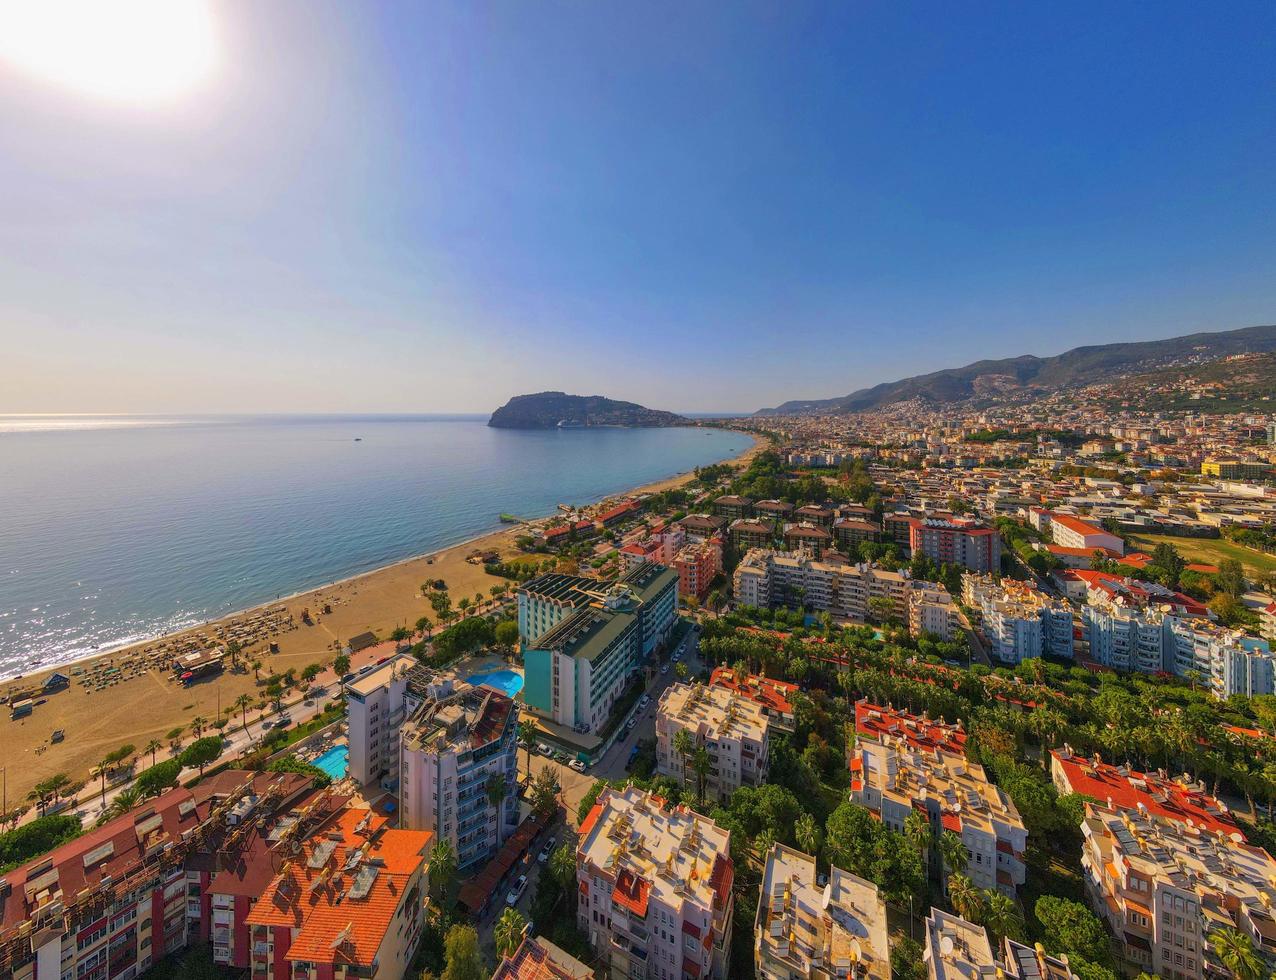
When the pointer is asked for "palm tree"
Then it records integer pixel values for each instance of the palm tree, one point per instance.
(807, 834)
(527, 739)
(967, 900)
(495, 790)
(1001, 917)
(256, 665)
(1235, 951)
(242, 702)
(953, 851)
(99, 772)
(562, 866)
(700, 766)
(918, 833)
(443, 871)
(198, 724)
(683, 745)
(122, 802)
(153, 746)
(509, 932)
(680, 670)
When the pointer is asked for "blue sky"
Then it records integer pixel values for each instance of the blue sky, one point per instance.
(432, 207)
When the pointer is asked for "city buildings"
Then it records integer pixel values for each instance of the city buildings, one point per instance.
(538, 959)
(583, 640)
(701, 527)
(697, 566)
(1072, 532)
(733, 508)
(875, 723)
(1163, 886)
(1149, 792)
(350, 902)
(774, 697)
(455, 750)
(851, 532)
(960, 950)
(1020, 621)
(772, 510)
(767, 578)
(731, 728)
(746, 533)
(807, 930)
(932, 610)
(809, 538)
(1230, 468)
(891, 777)
(956, 541)
(654, 888)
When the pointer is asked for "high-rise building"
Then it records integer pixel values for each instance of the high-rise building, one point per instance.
(654, 888)
(1020, 621)
(451, 750)
(732, 729)
(812, 931)
(956, 541)
(767, 578)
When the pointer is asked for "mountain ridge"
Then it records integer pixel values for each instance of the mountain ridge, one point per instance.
(1030, 371)
(556, 409)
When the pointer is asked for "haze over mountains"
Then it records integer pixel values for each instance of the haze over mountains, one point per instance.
(1081, 365)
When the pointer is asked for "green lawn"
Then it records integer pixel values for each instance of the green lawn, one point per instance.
(1209, 551)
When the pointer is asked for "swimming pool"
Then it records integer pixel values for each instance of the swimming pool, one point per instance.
(508, 681)
(335, 761)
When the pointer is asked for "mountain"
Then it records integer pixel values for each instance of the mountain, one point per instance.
(1081, 365)
(550, 409)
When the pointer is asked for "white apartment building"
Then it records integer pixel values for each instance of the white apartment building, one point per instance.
(1163, 887)
(449, 750)
(766, 578)
(932, 610)
(807, 930)
(1125, 638)
(733, 729)
(655, 888)
(377, 703)
(1021, 622)
(957, 949)
(1073, 532)
(892, 779)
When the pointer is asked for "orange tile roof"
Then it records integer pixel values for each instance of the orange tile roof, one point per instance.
(874, 721)
(632, 892)
(332, 925)
(765, 691)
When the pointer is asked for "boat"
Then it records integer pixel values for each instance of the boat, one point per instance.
(358, 438)
(570, 424)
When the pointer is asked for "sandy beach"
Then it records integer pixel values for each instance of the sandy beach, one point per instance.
(129, 695)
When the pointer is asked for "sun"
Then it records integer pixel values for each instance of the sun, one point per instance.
(131, 51)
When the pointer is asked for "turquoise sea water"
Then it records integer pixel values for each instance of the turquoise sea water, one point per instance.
(508, 681)
(116, 529)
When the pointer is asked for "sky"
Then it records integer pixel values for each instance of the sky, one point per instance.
(432, 207)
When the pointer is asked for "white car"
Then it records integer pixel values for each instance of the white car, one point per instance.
(646, 700)
(664, 668)
(546, 851)
(543, 749)
(577, 765)
(516, 892)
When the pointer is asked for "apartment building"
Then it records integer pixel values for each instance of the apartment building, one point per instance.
(851, 532)
(349, 903)
(807, 930)
(655, 888)
(450, 749)
(897, 529)
(1020, 621)
(583, 639)
(957, 949)
(697, 566)
(701, 527)
(1070, 531)
(767, 578)
(109, 904)
(932, 610)
(1236, 469)
(733, 730)
(377, 703)
(809, 538)
(661, 546)
(538, 959)
(956, 541)
(746, 533)
(875, 723)
(774, 697)
(1124, 637)
(891, 778)
(1163, 887)
(814, 514)
(772, 510)
(1155, 793)
(733, 508)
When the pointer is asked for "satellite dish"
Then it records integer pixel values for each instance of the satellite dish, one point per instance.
(856, 952)
(1237, 838)
(946, 946)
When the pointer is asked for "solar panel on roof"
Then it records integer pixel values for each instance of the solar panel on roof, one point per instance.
(363, 880)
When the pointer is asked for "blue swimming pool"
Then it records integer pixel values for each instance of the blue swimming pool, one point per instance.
(335, 761)
(508, 681)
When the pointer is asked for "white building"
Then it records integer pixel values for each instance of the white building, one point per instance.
(957, 949)
(450, 749)
(932, 610)
(807, 930)
(767, 578)
(1021, 622)
(1073, 532)
(733, 730)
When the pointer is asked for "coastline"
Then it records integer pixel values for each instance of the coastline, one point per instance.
(132, 675)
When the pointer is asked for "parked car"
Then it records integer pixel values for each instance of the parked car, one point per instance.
(646, 700)
(664, 668)
(577, 765)
(542, 748)
(546, 851)
(629, 725)
(516, 891)
(560, 757)
(347, 678)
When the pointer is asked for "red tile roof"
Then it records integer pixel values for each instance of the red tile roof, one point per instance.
(764, 691)
(873, 721)
(631, 892)
(1159, 795)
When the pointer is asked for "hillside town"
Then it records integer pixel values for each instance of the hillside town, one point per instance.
(972, 690)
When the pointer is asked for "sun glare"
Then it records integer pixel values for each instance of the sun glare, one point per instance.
(135, 51)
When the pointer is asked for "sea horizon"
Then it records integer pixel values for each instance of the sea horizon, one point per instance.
(122, 528)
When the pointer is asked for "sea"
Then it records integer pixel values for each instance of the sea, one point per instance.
(115, 529)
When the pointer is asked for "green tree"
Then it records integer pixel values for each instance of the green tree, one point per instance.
(122, 803)
(509, 932)
(311, 671)
(201, 752)
(495, 790)
(589, 799)
(1231, 578)
(153, 747)
(545, 790)
(442, 872)
(1236, 951)
(158, 778)
(1001, 916)
(967, 901)
(242, 702)
(953, 851)
(562, 866)
(527, 739)
(683, 746)
(1166, 556)
(506, 634)
(341, 665)
(1073, 928)
(462, 959)
(808, 834)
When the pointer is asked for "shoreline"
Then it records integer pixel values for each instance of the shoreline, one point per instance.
(131, 675)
